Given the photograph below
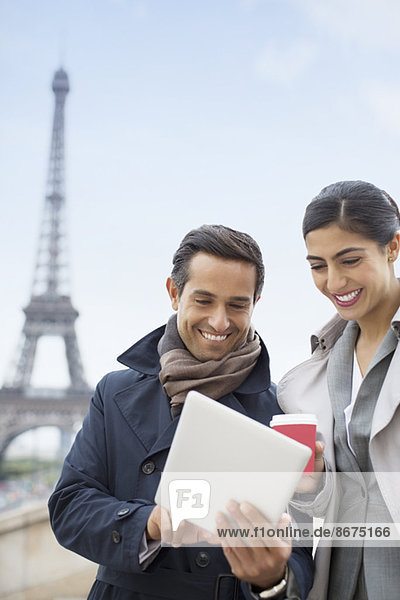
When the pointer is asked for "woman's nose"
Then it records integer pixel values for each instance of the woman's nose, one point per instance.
(336, 280)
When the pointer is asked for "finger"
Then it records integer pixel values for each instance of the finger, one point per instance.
(271, 537)
(310, 482)
(229, 534)
(235, 562)
(319, 463)
(250, 528)
(193, 534)
(189, 533)
(153, 526)
(239, 556)
(208, 537)
(283, 531)
(252, 513)
(165, 526)
(185, 534)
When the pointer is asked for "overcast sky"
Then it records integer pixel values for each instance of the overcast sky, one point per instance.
(182, 113)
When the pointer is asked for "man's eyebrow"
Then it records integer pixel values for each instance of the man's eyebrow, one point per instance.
(203, 293)
(338, 254)
(210, 295)
(240, 299)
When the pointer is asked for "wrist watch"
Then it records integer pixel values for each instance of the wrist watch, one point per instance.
(275, 589)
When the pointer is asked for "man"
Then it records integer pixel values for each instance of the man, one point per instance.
(103, 506)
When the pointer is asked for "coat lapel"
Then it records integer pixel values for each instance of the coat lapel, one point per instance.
(339, 378)
(231, 401)
(340, 371)
(389, 397)
(145, 407)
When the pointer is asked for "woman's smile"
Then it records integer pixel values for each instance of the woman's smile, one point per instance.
(348, 299)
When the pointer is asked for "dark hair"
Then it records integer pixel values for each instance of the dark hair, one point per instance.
(221, 241)
(355, 206)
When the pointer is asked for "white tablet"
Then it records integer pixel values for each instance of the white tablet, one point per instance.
(219, 454)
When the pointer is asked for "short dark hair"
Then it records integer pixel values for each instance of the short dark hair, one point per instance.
(221, 241)
(355, 206)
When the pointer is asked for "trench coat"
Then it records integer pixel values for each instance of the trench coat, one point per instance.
(305, 389)
(101, 503)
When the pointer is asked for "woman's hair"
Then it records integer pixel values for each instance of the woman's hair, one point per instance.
(355, 206)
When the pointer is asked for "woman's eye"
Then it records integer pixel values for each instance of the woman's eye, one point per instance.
(351, 261)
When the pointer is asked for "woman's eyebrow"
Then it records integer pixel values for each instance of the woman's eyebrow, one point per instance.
(338, 254)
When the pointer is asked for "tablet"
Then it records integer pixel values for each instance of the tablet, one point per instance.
(219, 454)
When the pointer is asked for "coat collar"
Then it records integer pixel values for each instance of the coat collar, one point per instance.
(143, 357)
(331, 332)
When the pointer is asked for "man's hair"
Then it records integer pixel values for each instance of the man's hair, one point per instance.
(220, 241)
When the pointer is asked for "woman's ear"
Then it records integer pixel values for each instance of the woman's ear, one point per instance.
(393, 247)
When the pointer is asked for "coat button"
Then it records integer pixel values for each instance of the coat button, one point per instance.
(123, 511)
(116, 537)
(148, 467)
(203, 559)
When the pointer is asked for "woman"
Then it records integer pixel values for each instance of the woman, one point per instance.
(352, 379)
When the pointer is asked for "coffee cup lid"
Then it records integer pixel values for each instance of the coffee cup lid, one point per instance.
(293, 418)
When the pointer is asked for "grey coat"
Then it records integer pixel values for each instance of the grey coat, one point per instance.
(305, 389)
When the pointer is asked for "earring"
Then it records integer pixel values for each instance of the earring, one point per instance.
(390, 259)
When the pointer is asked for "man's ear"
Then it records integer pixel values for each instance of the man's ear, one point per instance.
(173, 293)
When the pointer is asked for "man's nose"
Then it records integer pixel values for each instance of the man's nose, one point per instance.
(218, 320)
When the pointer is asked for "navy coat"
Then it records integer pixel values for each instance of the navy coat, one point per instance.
(105, 494)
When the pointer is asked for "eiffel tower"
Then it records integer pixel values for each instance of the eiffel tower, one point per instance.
(49, 313)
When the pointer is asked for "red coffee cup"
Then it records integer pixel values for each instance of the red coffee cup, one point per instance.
(299, 427)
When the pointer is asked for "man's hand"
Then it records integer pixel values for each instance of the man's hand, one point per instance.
(153, 529)
(159, 527)
(261, 561)
(310, 482)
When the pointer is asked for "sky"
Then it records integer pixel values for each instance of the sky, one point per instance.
(182, 113)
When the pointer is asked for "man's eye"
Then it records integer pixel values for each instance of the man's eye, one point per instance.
(238, 306)
(317, 267)
(202, 302)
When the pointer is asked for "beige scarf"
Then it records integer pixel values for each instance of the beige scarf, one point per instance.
(181, 371)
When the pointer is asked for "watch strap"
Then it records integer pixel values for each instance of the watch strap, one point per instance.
(275, 589)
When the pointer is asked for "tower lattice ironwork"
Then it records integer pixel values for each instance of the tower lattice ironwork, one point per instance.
(50, 311)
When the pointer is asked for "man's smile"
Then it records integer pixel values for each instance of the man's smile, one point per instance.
(213, 337)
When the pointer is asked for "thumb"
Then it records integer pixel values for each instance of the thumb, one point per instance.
(285, 519)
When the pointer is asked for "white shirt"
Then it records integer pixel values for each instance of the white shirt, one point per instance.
(357, 381)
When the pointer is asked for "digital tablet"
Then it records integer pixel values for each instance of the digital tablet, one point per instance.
(219, 454)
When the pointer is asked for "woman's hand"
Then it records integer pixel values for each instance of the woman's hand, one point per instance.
(310, 482)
